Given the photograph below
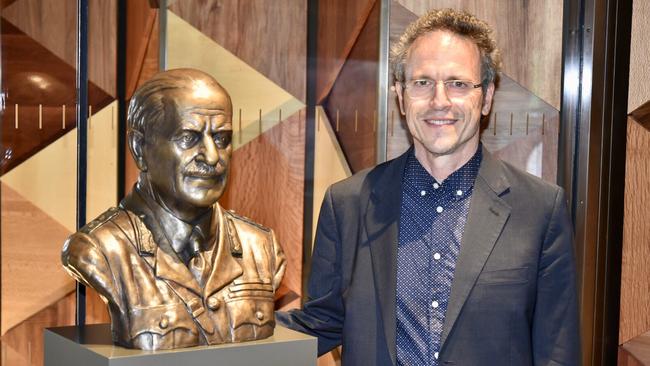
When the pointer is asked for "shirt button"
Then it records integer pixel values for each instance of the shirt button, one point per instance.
(435, 355)
(423, 193)
(436, 256)
(459, 192)
(436, 185)
(439, 209)
(435, 304)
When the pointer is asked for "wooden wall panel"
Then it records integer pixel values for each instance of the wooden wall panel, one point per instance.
(23, 345)
(635, 352)
(352, 103)
(52, 23)
(529, 34)
(635, 272)
(339, 24)
(270, 36)
(266, 184)
(639, 86)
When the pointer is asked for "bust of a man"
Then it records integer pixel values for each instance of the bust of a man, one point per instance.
(175, 269)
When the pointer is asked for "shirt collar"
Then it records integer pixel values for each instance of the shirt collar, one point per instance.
(417, 178)
(176, 230)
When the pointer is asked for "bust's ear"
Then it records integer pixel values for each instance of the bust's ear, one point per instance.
(136, 145)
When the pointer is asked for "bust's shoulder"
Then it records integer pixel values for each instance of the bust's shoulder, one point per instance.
(242, 221)
(112, 226)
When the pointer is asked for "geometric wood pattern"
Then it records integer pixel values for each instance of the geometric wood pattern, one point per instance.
(635, 352)
(635, 272)
(339, 25)
(52, 23)
(270, 36)
(352, 102)
(33, 76)
(528, 33)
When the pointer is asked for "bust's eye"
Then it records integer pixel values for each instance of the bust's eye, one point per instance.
(187, 139)
(222, 139)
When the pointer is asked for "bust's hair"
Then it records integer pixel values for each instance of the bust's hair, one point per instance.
(458, 22)
(148, 102)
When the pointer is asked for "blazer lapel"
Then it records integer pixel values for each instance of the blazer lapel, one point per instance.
(487, 215)
(382, 227)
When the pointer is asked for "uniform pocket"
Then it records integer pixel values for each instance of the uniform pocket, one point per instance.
(159, 319)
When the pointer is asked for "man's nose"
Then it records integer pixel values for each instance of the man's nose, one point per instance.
(440, 99)
(209, 150)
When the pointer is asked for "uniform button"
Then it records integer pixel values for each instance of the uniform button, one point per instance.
(435, 355)
(459, 192)
(435, 304)
(164, 322)
(423, 193)
(439, 209)
(436, 185)
(259, 315)
(436, 256)
(213, 303)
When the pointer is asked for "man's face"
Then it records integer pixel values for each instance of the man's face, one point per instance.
(188, 152)
(444, 123)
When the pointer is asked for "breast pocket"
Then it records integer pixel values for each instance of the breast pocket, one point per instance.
(510, 276)
(250, 310)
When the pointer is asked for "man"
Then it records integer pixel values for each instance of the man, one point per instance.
(444, 255)
(175, 269)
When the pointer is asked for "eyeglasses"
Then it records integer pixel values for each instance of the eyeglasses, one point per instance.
(425, 88)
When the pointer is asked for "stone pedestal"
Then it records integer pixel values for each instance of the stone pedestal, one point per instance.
(92, 346)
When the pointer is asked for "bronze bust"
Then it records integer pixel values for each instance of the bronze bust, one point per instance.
(175, 269)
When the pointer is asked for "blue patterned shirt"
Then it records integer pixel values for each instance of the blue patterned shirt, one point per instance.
(432, 220)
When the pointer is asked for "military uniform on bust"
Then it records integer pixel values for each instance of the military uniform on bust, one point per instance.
(225, 296)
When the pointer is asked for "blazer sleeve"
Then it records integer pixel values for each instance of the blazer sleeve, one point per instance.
(555, 332)
(322, 315)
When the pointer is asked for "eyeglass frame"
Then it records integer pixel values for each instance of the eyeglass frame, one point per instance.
(408, 85)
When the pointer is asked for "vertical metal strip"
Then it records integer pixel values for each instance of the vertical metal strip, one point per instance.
(82, 138)
(162, 29)
(121, 96)
(310, 130)
(383, 80)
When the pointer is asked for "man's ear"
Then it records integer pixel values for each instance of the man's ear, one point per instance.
(487, 100)
(400, 97)
(136, 145)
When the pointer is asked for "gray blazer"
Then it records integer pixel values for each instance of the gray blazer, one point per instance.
(513, 298)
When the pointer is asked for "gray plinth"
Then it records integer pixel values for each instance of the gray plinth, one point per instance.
(92, 346)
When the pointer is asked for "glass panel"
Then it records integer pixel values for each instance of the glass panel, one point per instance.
(39, 158)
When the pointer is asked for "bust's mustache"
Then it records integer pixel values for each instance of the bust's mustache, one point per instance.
(203, 170)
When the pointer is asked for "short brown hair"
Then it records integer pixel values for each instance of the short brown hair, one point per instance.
(455, 21)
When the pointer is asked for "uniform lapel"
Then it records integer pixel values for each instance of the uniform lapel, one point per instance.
(382, 227)
(225, 268)
(487, 215)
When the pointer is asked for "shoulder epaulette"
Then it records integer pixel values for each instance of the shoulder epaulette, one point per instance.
(247, 220)
(101, 219)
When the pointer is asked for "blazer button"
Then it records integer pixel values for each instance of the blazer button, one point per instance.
(164, 322)
(259, 315)
(213, 303)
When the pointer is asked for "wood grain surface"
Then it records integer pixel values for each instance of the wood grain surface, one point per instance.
(354, 98)
(30, 240)
(23, 345)
(266, 184)
(529, 35)
(270, 36)
(635, 352)
(52, 23)
(339, 24)
(635, 272)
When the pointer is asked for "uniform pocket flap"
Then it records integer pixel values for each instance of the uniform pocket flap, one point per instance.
(250, 310)
(159, 319)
